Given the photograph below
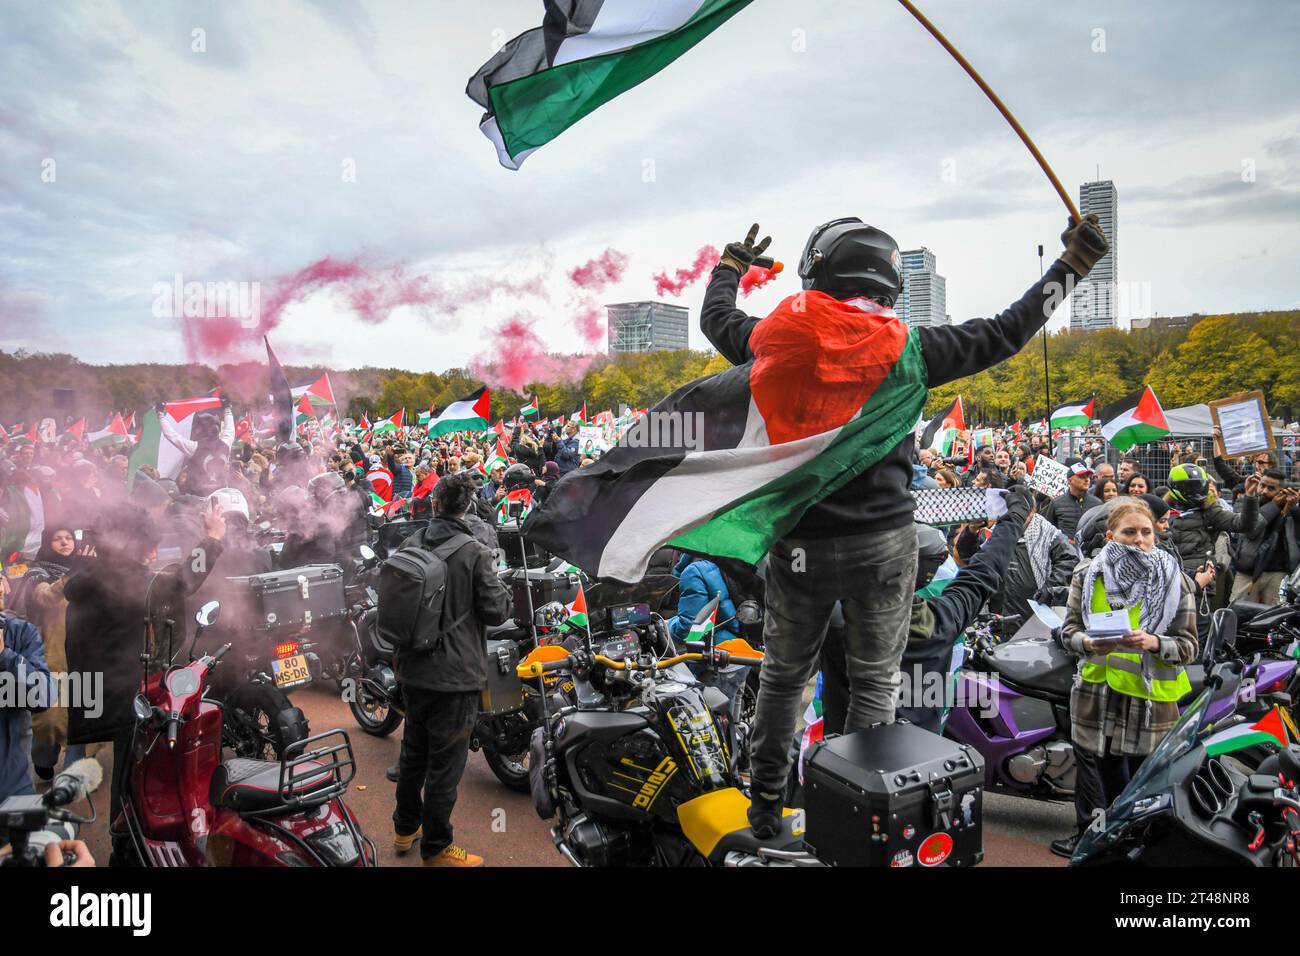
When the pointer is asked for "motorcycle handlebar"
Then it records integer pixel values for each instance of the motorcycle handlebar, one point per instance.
(531, 671)
(173, 728)
(220, 652)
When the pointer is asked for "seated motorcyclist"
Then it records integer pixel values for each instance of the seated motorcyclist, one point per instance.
(241, 556)
(701, 581)
(940, 615)
(330, 528)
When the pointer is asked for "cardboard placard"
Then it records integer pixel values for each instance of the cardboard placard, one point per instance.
(1244, 425)
(1050, 477)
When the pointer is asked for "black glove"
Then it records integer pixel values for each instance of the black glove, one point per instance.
(225, 401)
(741, 255)
(1020, 501)
(1084, 243)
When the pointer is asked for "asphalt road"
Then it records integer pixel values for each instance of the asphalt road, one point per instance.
(502, 826)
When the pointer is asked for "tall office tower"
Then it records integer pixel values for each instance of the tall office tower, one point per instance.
(925, 293)
(647, 327)
(1093, 303)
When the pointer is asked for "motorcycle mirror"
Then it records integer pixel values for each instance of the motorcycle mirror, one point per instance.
(264, 526)
(143, 709)
(208, 614)
(749, 612)
(367, 553)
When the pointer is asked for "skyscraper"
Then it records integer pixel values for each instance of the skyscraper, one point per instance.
(924, 301)
(647, 326)
(1092, 305)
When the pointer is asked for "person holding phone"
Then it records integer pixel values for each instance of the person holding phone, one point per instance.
(1131, 619)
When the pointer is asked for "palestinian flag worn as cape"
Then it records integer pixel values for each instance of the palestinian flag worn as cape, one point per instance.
(585, 53)
(153, 449)
(944, 428)
(390, 424)
(1073, 414)
(26, 523)
(1134, 420)
(114, 433)
(833, 387)
(463, 415)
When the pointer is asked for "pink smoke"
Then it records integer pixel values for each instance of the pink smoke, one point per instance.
(705, 260)
(756, 278)
(598, 273)
(518, 356)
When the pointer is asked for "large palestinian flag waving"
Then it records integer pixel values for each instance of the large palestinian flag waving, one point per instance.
(157, 451)
(944, 428)
(1134, 420)
(466, 415)
(585, 53)
(727, 464)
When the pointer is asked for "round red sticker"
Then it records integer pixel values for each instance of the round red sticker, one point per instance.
(934, 849)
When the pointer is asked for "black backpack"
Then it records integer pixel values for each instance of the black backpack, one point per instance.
(411, 588)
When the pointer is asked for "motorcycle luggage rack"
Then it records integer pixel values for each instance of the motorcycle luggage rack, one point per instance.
(299, 766)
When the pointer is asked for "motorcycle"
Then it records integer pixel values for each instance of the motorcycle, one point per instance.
(184, 806)
(641, 762)
(1272, 628)
(1012, 704)
(1191, 803)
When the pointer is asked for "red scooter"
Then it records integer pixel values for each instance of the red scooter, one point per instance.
(185, 806)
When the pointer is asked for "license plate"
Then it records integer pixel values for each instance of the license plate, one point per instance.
(291, 671)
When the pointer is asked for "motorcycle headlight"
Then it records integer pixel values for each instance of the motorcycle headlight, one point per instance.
(1145, 805)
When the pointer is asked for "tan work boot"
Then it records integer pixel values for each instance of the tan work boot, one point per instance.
(454, 856)
(403, 844)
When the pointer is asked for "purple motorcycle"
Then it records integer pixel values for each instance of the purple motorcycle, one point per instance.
(1012, 704)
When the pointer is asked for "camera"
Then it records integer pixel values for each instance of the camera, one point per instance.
(35, 821)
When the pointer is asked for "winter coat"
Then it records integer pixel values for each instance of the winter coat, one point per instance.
(568, 454)
(476, 598)
(21, 662)
(701, 581)
(1274, 544)
(1066, 510)
(1194, 531)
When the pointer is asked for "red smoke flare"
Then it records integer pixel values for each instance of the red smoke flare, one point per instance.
(756, 278)
(705, 260)
(601, 272)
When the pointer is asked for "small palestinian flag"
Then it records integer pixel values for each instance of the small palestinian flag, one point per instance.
(578, 609)
(705, 622)
(1073, 414)
(833, 387)
(466, 414)
(377, 504)
(585, 53)
(425, 417)
(390, 424)
(944, 428)
(942, 578)
(318, 393)
(1134, 420)
(397, 507)
(364, 424)
(520, 496)
(814, 724)
(530, 409)
(114, 433)
(1268, 730)
(77, 431)
(580, 415)
(30, 437)
(305, 411)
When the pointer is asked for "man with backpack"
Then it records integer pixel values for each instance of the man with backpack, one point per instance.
(437, 595)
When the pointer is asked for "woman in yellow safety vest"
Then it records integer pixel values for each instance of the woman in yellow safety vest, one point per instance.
(1126, 693)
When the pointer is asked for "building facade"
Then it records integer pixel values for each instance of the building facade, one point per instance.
(1093, 303)
(924, 301)
(647, 327)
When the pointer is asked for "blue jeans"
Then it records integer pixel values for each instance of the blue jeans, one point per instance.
(873, 575)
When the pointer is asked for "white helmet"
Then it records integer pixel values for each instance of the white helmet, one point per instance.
(230, 499)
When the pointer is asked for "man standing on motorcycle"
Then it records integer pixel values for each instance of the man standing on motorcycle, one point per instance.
(441, 687)
(858, 545)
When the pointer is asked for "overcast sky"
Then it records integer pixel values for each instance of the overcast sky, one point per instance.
(230, 163)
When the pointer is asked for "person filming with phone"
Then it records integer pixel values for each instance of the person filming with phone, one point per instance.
(1131, 619)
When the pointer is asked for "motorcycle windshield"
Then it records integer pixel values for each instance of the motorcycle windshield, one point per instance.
(1181, 738)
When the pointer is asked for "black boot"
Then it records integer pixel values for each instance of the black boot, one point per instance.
(1065, 847)
(765, 814)
(391, 773)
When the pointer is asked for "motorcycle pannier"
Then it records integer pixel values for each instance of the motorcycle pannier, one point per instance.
(504, 693)
(894, 795)
(411, 586)
(546, 586)
(295, 596)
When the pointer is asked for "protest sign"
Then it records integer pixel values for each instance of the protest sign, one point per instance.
(1050, 477)
(1244, 426)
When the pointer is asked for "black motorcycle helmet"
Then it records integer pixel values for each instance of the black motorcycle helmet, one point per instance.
(205, 427)
(518, 476)
(1189, 486)
(846, 257)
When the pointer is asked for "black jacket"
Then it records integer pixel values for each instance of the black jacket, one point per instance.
(1274, 545)
(523, 453)
(1019, 585)
(879, 499)
(460, 663)
(1065, 511)
(1194, 531)
(105, 630)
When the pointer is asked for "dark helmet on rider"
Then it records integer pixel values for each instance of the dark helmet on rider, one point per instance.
(325, 484)
(518, 476)
(846, 258)
(931, 553)
(1189, 485)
